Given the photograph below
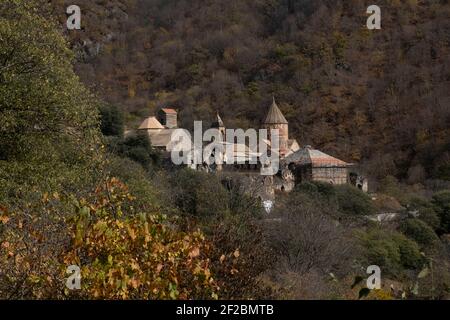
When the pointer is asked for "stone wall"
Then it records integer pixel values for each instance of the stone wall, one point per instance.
(333, 175)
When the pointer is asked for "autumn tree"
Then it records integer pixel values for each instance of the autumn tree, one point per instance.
(58, 205)
(47, 116)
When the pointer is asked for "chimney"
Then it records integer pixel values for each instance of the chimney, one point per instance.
(168, 118)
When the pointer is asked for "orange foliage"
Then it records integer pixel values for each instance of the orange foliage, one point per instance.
(122, 254)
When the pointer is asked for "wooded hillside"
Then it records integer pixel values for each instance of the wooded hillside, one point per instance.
(376, 97)
(76, 192)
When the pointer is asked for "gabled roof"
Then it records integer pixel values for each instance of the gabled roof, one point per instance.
(150, 123)
(316, 158)
(275, 116)
(169, 110)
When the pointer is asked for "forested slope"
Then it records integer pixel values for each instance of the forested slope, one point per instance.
(76, 192)
(376, 97)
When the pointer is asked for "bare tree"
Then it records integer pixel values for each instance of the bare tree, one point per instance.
(308, 239)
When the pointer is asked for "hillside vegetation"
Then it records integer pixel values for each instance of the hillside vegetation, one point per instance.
(375, 97)
(76, 192)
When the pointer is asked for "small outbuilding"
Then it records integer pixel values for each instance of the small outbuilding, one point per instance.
(308, 164)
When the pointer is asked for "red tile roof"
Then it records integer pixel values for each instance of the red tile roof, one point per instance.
(169, 110)
(314, 157)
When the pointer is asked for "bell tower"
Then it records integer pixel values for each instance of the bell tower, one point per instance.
(276, 120)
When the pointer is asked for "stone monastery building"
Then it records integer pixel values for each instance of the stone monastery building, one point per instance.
(297, 163)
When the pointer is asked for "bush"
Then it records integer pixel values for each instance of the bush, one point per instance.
(392, 251)
(307, 187)
(122, 254)
(441, 204)
(430, 217)
(353, 201)
(426, 212)
(381, 250)
(410, 255)
(198, 194)
(138, 180)
(240, 255)
(138, 148)
(243, 195)
(419, 231)
(317, 188)
(228, 217)
(112, 122)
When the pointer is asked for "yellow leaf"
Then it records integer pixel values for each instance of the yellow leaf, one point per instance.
(132, 233)
(4, 219)
(195, 252)
(134, 283)
(236, 253)
(135, 266)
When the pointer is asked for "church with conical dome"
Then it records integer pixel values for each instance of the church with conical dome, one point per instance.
(276, 120)
(297, 164)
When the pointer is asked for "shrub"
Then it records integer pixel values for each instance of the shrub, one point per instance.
(426, 212)
(138, 148)
(198, 194)
(139, 182)
(228, 217)
(307, 187)
(380, 250)
(410, 255)
(419, 231)
(141, 258)
(317, 189)
(111, 121)
(326, 189)
(443, 172)
(122, 255)
(430, 217)
(240, 255)
(353, 201)
(390, 250)
(441, 204)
